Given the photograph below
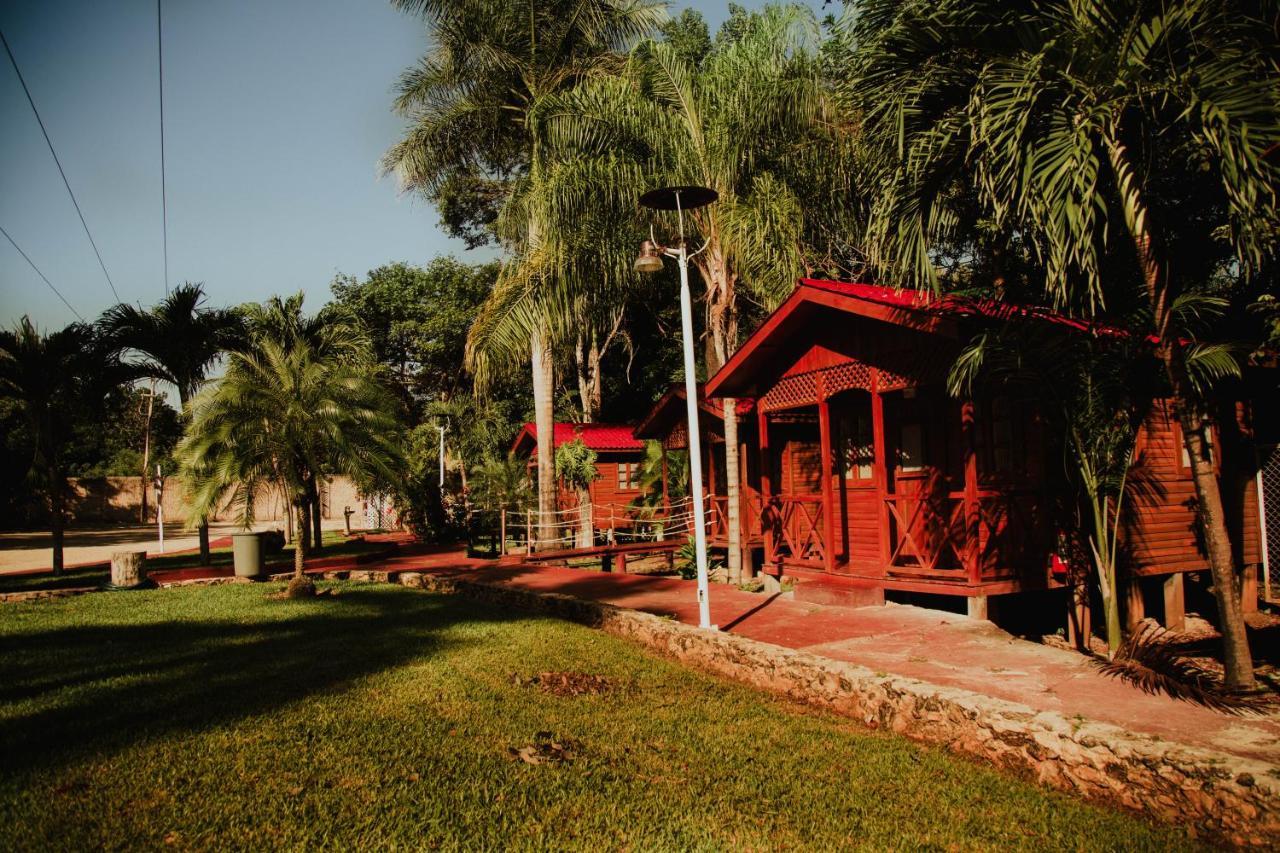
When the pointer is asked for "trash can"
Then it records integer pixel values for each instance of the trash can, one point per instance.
(246, 552)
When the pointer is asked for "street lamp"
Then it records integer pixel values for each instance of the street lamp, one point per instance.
(649, 260)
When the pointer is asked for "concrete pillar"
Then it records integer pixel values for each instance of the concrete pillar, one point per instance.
(977, 605)
(1175, 607)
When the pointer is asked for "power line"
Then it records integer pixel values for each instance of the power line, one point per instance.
(42, 275)
(164, 201)
(67, 183)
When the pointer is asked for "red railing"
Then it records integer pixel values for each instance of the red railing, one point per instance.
(749, 517)
(792, 526)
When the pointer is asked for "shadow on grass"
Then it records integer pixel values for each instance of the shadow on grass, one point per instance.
(102, 687)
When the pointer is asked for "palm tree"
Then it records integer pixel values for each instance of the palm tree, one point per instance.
(1074, 123)
(470, 141)
(733, 120)
(58, 380)
(176, 341)
(287, 413)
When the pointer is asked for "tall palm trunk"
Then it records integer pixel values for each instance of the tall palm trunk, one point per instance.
(722, 320)
(206, 557)
(300, 547)
(313, 502)
(1237, 659)
(543, 371)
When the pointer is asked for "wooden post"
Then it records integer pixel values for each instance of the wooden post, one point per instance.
(1135, 608)
(972, 509)
(880, 470)
(828, 498)
(1079, 616)
(978, 607)
(128, 569)
(502, 532)
(613, 524)
(766, 485)
(1175, 607)
(1249, 589)
(528, 531)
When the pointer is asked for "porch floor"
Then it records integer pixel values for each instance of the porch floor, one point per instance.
(930, 645)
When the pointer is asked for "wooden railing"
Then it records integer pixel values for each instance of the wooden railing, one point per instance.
(930, 533)
(792, 526)
(749, 517)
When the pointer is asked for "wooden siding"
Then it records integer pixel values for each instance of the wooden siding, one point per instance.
(1163, 536)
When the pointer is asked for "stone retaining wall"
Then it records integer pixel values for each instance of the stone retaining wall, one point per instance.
(1216, 796)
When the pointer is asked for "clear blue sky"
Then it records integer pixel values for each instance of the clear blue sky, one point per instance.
(276, 113)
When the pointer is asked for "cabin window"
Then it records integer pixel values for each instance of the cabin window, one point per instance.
(628, 476)
(858, 445)
(1209, 447)
(911, 447)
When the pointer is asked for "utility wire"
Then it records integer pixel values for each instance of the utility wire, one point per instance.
(42, 275)
(67, 183)
(164, 201)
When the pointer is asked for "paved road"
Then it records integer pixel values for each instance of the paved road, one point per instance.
(32, 549)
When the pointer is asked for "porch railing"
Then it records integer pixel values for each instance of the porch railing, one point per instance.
(749, 517)
(792, 526)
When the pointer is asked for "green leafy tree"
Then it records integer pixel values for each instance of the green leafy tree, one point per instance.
(729, 120)
(469, 141)
(1087, 128)
(576, 467)
(57, 382)
(177, 341)
(288, 412)
(415, 317)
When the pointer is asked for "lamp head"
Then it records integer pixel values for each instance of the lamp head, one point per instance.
(650, 258)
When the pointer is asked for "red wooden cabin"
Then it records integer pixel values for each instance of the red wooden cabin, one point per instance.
(667, 423)
(619, 456)
(874, 479)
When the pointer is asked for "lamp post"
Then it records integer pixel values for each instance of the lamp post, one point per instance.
(443, 429)
(159, 484)
(681, 199)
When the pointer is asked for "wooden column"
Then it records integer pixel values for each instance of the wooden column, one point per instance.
(766, 485)
(1175, 607)
(880, 470)
(972, 508)
(1135, 607)
(828, 497)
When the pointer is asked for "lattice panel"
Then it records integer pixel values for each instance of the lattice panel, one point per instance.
(792, 391)
(1270, 475)
(846, 376)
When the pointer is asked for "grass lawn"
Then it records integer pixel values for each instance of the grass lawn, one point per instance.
(335, 545)
(215, 718)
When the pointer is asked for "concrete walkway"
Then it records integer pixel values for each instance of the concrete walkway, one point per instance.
(929, 645)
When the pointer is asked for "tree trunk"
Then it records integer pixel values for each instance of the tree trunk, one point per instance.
(1237, 659)
(317, 531)
(300, 546)
(595, 381)
(206, 557)
(723, 334)
(584, 382)
(733, 490)
(543, 371)
(586, 521)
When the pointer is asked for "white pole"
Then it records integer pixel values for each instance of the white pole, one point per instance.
(442, 430)
(160, 506)
(695, 439)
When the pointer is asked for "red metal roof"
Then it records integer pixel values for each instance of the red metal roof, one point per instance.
(949, 304)
(599, 437)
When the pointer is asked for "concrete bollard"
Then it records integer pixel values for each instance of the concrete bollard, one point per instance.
(128, 569)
